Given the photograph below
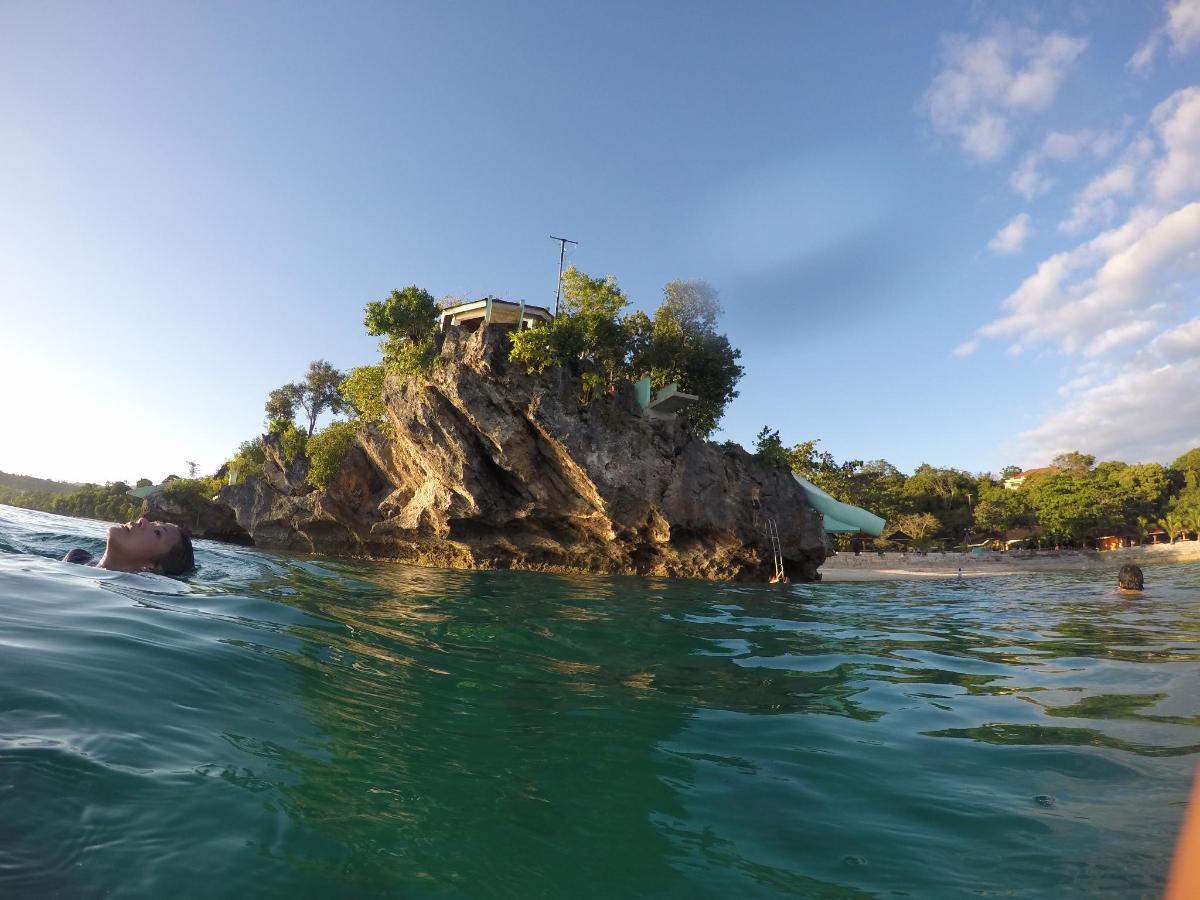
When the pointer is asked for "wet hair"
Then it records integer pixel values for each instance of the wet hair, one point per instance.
(179, 558)
(1130, 577)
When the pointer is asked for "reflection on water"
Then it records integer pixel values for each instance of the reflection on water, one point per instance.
(288, 727)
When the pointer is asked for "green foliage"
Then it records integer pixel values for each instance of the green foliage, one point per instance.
(593, 338)
(192, 493)
(41, 485)
(363, 393)
(681, 344)
(1074, 461)
(407, 322)
(292, 441)
(110, 502)
(1073, 505)
(317, 393)
(1173, 524)
(589, 335)
(768, 447)
(412, 359)
(999, 510)
(143, 482)
(921, 527)
(1188, 462)
(249, 460)
(327, 450)
(281, 406)
(410, 314)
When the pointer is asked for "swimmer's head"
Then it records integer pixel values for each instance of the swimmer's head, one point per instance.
(1130, 578)
(145, 546)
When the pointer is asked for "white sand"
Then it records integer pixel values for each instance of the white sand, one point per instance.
(892, 566)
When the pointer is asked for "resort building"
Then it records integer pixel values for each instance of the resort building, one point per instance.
(490, 310)
(1017, 480)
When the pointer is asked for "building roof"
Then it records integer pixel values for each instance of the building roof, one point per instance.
(1029, 472)
(468, 305)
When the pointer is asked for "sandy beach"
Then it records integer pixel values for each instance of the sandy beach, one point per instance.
(892, 566)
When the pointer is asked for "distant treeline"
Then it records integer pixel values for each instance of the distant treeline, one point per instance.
(29, 483)
(110, 502)
(1072, 501)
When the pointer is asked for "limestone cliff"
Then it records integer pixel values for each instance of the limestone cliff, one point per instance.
(485, 466)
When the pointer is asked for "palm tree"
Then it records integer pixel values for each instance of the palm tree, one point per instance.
(1172, 524)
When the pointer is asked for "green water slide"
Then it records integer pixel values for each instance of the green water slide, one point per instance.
(839, 516)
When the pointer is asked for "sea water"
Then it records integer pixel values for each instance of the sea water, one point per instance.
(281, 726)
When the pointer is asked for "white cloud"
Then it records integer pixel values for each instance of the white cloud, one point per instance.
(1118, 336)
(1183, 25)
(1150, 410)
(1011, 238)
(1144, 55)
(966, 348)
(1106, 293)
(1178, 122)
(1029, 180)
(1181, 28)
(986, 82)
(1096, 202)
(1177, 345)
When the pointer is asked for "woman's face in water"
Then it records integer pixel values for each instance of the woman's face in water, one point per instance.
(143, 542)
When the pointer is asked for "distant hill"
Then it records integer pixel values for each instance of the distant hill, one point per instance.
(29, 483)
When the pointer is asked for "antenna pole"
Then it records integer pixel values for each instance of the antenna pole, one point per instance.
(562, 252)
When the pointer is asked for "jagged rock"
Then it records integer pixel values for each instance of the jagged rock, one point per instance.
(485, 466)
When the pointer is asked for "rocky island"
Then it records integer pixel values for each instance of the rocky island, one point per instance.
(486, 466)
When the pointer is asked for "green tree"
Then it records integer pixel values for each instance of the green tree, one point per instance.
(1139, 491)
(1073, 505)
(921, 527)
(769, 449)
(589, 335)
(363, 392)
(820, 467)
(317, 393)
(144, 482)
(1074, 461)
(1173, 524)
(410, 314)
(1188, 462)
(998, 509)
(327, 451)
(282, 403)
(407, 323)
(681, 345)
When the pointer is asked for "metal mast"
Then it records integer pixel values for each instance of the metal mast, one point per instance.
(562, 252)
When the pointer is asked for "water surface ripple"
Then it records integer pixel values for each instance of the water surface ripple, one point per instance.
(287, 727)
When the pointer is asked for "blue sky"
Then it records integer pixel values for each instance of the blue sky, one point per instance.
(964, 234)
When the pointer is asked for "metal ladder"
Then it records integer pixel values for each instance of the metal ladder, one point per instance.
(771, 530)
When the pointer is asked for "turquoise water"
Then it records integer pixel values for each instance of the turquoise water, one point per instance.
(288, 727)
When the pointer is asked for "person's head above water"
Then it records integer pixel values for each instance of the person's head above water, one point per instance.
(1129, 578)
(145, 546)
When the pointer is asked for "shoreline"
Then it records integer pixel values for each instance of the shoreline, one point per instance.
(866, 567)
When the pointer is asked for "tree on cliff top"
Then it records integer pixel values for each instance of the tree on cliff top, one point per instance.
(409, 314)
(681, 345)
(406, 321)
(317, 393)
(589, 335)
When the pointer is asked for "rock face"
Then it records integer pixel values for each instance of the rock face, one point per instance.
(484, 466)
(202, 518)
